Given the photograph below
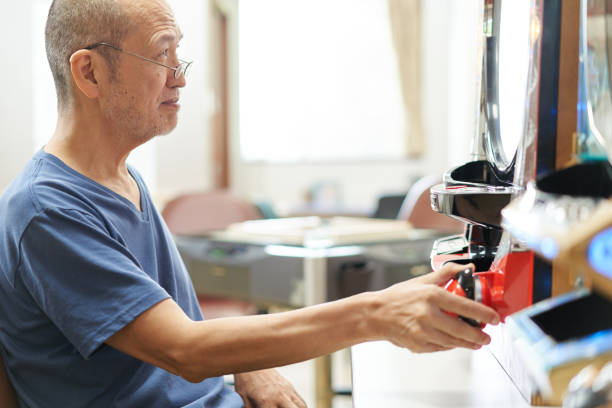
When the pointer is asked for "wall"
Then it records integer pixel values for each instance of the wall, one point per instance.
(16, 126)
(183, 157)
(180, 161)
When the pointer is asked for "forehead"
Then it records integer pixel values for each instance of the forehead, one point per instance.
(153, 22)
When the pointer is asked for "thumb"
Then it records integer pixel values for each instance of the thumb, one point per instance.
(448, 271)
(247, 401)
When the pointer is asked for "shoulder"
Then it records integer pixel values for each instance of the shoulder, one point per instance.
(17, 208)
(41, 188)
(18, 204)
(44, 185)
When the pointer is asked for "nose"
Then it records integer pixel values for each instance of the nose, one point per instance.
(181, 81)
(173, 82)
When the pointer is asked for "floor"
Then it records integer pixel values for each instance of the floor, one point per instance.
(392, 377)
(388, 376)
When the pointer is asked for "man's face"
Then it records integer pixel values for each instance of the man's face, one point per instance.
(142, 102)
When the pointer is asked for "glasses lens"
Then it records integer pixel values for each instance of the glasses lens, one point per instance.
(178, 71)
(182, 69)
(186, 66)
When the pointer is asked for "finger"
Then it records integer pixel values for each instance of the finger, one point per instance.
(459, 329)
(292, 403)
(444, 274)
(448, 340)
(247, 401)
(429, 348)
(290, 394)
(466, 308)
(293, 400)
(299, 401)
(438, 347)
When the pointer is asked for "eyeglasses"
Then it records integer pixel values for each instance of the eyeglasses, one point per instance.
(181, 69)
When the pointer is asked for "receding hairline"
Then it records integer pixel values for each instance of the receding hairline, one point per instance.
(170, 37)
(154, 21)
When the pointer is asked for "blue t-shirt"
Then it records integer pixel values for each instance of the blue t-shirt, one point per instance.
(77, 263)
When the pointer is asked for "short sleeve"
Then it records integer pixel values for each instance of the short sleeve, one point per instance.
(86, 282)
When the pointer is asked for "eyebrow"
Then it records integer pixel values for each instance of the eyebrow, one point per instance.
(170, 37)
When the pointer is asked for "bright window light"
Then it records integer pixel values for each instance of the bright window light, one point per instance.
(513, 70)
(318, 80)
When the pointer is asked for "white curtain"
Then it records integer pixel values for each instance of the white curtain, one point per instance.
(405, 17)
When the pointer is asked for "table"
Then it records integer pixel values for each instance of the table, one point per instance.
(296, 275)
(387, 376)
(305, 261)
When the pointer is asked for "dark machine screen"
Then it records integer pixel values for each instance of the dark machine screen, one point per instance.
(577, 318)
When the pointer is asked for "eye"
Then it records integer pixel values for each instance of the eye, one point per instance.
(165, 52)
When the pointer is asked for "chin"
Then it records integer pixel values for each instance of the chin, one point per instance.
(167, 126)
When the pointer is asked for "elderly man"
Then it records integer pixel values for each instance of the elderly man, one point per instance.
(96, 307)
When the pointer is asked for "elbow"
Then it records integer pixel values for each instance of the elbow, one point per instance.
(188, 356)
(189, 367)
(193, 372)
(193, 377)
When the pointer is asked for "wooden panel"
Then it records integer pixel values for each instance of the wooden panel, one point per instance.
(219, 79)
(567, 109)
(568, 82)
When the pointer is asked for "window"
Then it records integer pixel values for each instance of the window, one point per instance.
(318, 80)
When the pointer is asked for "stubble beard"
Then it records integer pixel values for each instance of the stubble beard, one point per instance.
(130, 124)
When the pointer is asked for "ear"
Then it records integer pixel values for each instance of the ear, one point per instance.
(84, 71)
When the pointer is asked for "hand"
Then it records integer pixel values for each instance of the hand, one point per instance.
(267, 389)
(412, 314)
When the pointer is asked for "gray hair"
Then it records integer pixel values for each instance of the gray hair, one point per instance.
(76, 24)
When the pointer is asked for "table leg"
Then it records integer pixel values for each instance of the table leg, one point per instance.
(315, 287)
(323, 381)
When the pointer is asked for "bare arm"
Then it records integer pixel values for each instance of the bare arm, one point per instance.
(409, 314)
(7, 394)
(166, 337)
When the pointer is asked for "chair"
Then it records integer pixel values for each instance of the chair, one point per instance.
(388, 206)
(416, 208)
(7, 393)
(198, 213)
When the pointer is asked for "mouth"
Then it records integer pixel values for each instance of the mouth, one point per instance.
(172, 102)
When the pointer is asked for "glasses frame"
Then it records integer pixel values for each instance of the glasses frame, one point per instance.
(180, 69)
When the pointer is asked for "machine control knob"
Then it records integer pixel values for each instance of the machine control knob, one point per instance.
(472, 286)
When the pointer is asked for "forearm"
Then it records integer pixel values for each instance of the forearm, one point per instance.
(241, 344)
(410, 314)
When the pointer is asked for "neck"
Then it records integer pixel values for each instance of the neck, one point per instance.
(91, 146)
